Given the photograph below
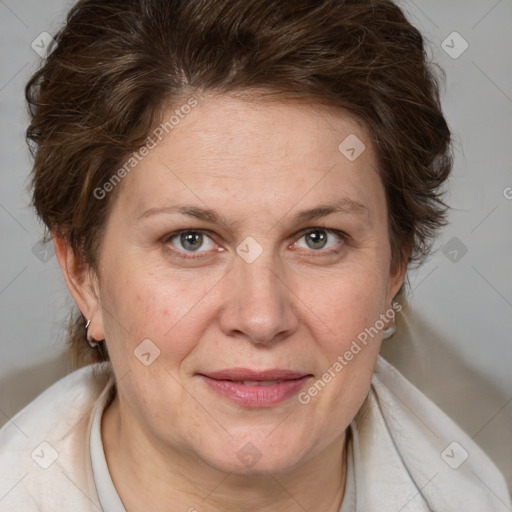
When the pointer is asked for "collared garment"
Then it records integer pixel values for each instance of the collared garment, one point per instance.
(403, 453)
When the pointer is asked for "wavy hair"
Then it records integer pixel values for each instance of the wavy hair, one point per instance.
(118, 63)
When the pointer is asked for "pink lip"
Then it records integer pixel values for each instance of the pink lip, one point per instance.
(248, 374)
(229, 383)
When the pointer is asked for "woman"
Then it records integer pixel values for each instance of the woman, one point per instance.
(300, 149)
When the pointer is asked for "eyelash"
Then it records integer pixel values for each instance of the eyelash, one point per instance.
(190, 256)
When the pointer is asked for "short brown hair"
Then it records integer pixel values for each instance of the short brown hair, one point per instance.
(118, 63)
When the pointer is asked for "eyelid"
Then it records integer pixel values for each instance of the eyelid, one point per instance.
(191, 255)
(340, 234)
(167, 238)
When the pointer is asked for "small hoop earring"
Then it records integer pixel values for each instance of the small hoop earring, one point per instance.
(92, 343)
(387, 333)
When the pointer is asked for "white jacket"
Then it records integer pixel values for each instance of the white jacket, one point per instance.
(404, 453)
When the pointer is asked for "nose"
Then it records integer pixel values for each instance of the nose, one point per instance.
(258, 302)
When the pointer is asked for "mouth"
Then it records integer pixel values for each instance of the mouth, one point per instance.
(252, 388)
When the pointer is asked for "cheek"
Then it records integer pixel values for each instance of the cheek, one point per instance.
(139, 305)
(347, 338)
(345, 304)
(347, 350)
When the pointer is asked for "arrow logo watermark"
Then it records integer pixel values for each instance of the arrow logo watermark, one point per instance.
(43, 45)
(454, 45)
(454, 455)
(249, 249)
(146, 352)
(43, 251)
(454, 250)
(44, 455)
(352, 147)
(249, 455)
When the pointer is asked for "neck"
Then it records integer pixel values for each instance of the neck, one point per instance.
(148, 477)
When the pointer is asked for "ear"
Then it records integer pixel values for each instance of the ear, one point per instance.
(396, 278)
(82, 283)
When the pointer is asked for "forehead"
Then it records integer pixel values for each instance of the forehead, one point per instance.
(272, 155)
(263, 129)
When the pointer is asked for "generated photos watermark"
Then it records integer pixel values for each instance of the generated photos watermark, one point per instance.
(150, 143)
(361, 341)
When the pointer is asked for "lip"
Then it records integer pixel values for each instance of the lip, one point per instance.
(229, 384)
(240, 374)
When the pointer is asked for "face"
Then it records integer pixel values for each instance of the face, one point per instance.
(225, 305)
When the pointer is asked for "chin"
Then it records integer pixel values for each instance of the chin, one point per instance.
(255, 455)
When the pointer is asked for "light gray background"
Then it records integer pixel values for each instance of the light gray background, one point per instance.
(454, 340)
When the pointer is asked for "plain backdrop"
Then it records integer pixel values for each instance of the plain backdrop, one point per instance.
(454, 339)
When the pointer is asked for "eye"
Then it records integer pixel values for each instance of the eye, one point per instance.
(187, 242)
(318, 239)
(190, 241)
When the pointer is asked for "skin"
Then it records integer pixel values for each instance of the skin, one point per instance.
(168, 438)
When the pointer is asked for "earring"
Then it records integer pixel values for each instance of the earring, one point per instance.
(387, 333)
(92, 343)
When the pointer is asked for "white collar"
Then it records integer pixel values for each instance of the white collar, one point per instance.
(107, 493)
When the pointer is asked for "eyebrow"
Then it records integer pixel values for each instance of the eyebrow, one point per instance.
(343, 205)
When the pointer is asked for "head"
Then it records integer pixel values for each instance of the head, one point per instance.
(243, 115)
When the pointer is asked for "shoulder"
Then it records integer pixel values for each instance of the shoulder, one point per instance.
(56, 409)
(431, 446)
(44, 447)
